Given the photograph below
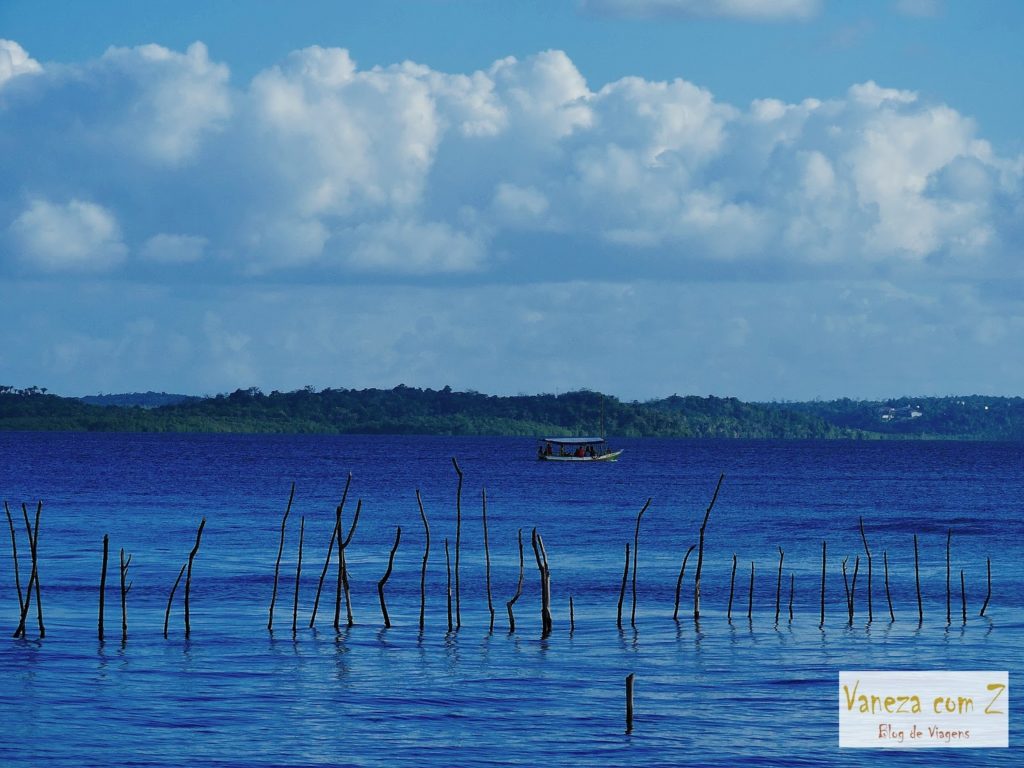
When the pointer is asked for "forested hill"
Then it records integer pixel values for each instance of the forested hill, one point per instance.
(407, 410)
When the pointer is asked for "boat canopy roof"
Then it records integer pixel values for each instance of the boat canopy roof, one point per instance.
(574, 440)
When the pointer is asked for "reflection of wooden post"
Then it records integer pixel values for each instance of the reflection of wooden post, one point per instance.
(822, 622)
(700, 551)
(871, 613)
(298, 573)
(458, 544)
(188, 573)
(636, 547)
(387, 575)
(519, 588)
(679, 582)
(330, 552)
(888, 597)
(778, 586)
(170, 599)
(949, 537)
(629, 702)
(988, 561)
(487, 560)
(622, 591)
(103, 587)
(426, 554)
(124, 596)
(917, 579)
(277, 565)
(732, 586)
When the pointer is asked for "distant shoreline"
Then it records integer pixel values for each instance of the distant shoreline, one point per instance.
(407, 410)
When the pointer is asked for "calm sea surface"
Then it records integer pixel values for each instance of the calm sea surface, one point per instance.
(712, 693)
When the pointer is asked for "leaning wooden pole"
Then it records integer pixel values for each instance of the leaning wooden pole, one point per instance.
(963, 596)
(487, 560)
(124, 595)
(778, 586)
(732, 588)
(386, 576)
(458, 544)
(988, 561)
(792, 583)
(343, 568)
(846, 585)
(170, 599)
(700, 550)
(864, 538)
(750, 595)
(519, 588)
(622, 590)
(330, 552)
(188, 575)
(544, 611)
(821, 623)
(277, 564)
(103, 585)
(426, 555)
(636, 547)
(888, 597)
(853, 587)
(917, 579)
(547, 584)
(33, 537)
(949, 538)
(14, 553)
(679, 581)
(298, 575)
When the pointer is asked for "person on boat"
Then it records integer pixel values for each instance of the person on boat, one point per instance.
(547, 450)
(580, 452)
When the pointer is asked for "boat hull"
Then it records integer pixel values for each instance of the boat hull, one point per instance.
(605, 457)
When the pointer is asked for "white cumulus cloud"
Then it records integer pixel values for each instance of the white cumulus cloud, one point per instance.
(77, 236)
(749, 10)
(15, 61)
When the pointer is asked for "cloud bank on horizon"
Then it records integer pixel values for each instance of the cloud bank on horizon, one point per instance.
(151, 166)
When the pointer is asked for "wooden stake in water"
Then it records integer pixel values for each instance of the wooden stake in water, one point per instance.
(448, 564)
(864, 538)
(750, 598)
(821, 624)
(103, 586)
(386, 576)
(778, 586)
(792, 581)
(458, 544)
(888, 597)
(124, 596)
(949, 538)
(679, 581)
(988, 561)
(572, 617)
(330, 553)
(636, 548)
(519, 588)
(277, 564)
(170, 599)
(343, 568)
(426, 555)
(33, 580)
(298, 574)
(14, 552)
(732, 586)
(700, 551)
(963, 596)
(487, 560)
(629, 702)
(917, 579)
(188, 574)
(545, 609)
(622, 591)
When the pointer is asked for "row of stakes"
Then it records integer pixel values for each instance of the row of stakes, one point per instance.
(340, 540)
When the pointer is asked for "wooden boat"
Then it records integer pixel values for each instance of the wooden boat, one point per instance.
(575, 449)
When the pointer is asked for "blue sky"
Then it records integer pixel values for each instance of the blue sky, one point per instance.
(773, 200)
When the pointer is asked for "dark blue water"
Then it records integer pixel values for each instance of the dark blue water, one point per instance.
(712, 693)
